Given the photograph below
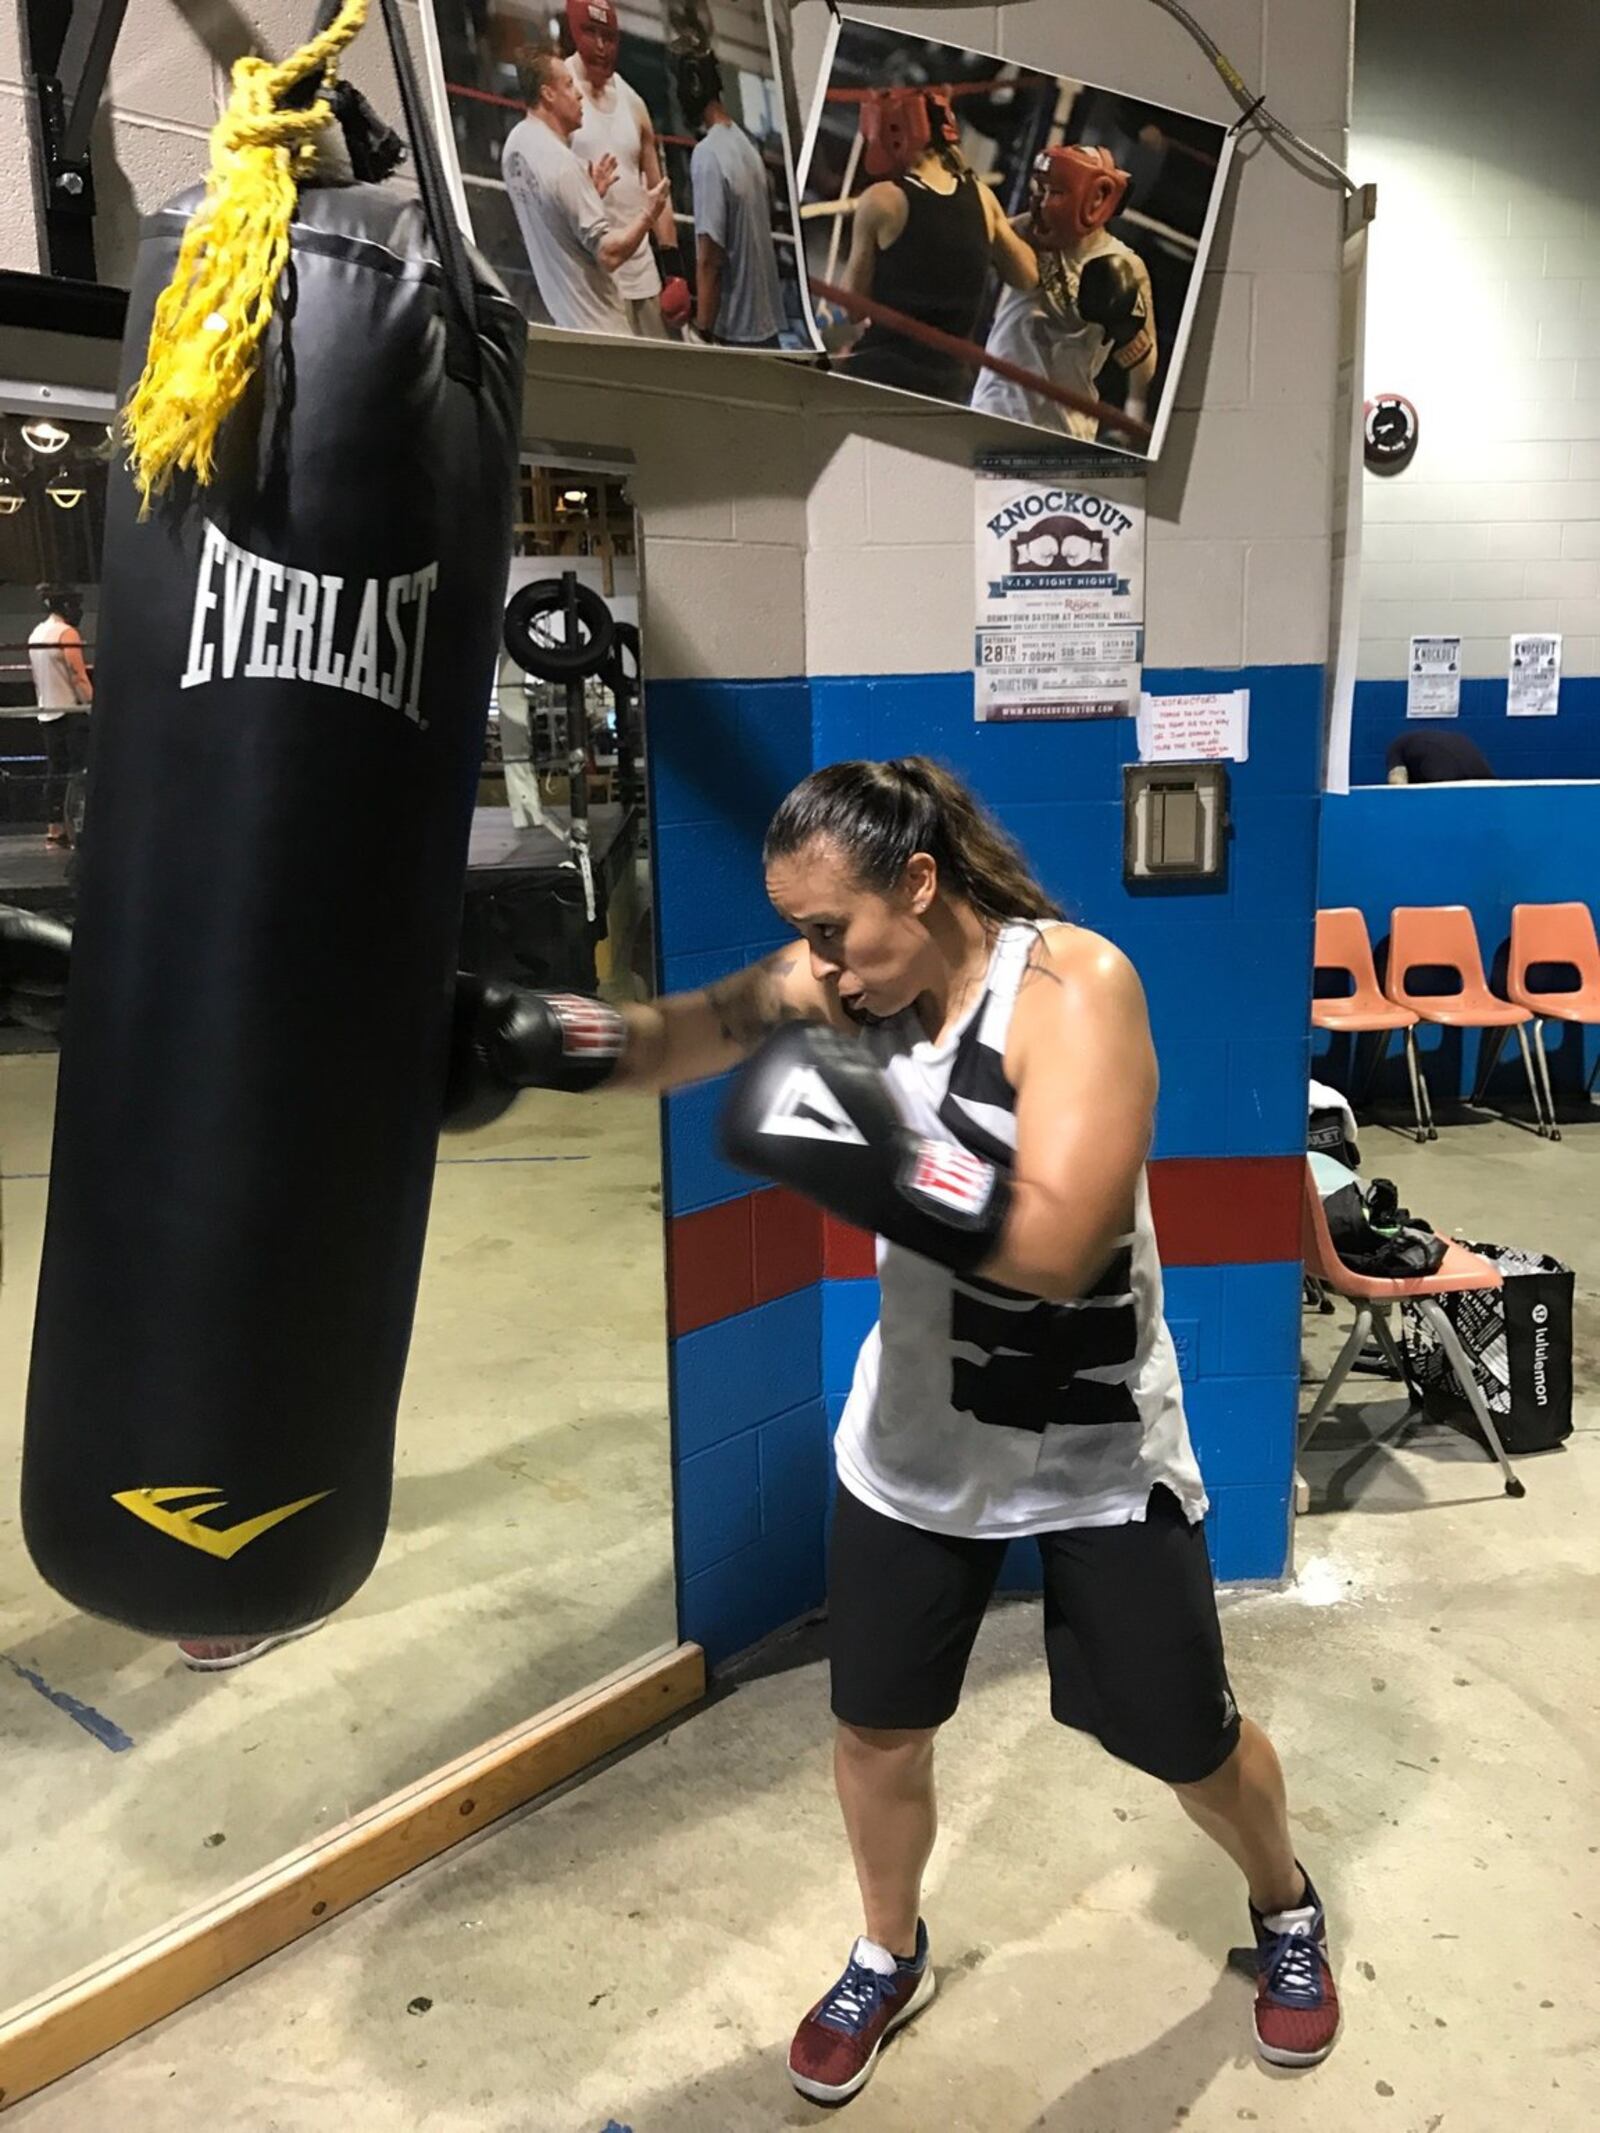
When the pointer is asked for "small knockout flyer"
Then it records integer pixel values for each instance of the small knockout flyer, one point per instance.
(1060, 589)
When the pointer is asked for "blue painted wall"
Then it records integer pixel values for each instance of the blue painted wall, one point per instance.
(1226, 967)
(1485, 846)
(1567, 746)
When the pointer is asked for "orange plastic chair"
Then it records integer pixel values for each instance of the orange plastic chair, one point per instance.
(1373, 1300)
(1443, 936)
(1342, 944)
(1554, 933)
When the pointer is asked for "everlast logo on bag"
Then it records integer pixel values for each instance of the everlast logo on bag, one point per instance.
(256, 620)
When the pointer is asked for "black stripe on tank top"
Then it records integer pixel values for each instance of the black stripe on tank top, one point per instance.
(978, 1074)
(1006, 1392)
(1028, 1373)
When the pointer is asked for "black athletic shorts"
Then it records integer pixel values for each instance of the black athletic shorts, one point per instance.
(1130, 1631)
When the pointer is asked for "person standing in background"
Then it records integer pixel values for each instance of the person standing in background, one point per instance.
(60, 685)
(738, 297)
(617, 123)
(573, 248)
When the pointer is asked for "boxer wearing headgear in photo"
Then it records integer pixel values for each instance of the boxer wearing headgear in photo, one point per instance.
(923, 238)
(617, 124)
(738, 293)
(1093, 304)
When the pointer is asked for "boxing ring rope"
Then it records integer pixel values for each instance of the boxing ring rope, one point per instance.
(915, 329)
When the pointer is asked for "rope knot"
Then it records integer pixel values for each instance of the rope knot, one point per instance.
(211, 318)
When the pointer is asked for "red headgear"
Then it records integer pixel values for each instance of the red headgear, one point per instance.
(898, 125)
(593, 24)
(1075, 190)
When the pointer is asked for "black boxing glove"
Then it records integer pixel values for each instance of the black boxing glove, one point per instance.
(35, 953)
(1112, 296)
(505, 1038)
(811, 1110)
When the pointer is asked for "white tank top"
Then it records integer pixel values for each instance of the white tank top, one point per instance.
(52, 677)
(1041, 329)
(983, 1413)
(613, 125)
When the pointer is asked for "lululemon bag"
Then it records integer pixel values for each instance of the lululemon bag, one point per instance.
(1518, 1339)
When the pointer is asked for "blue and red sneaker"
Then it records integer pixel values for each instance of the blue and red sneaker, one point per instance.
(837, 2045)
(1297, 2002)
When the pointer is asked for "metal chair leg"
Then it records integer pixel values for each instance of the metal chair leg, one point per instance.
(1373, 1065)
(1421, 1104)
(1466, 1378)
(1486, 1067)
(1542, 1057)
(1355, 1341)
(1391, 1348)
(1545, 1125)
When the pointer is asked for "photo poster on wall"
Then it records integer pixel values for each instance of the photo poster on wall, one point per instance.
(628, 166)
(1060, 590)
(984, 234)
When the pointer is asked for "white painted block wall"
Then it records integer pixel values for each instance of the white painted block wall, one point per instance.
(1476, 120)
(794, 523)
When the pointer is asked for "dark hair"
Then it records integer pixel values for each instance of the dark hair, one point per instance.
(61, 600)
(534, 62)
(878, 814)
(699, 81)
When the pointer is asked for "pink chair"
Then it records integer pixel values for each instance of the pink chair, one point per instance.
(1554, 933)
(1459, 1269)
(1342, 943)
(1443, 936)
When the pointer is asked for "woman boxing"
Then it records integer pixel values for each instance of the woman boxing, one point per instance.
(943, 1060)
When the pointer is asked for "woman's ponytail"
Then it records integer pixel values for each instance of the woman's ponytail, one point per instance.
(879, 814)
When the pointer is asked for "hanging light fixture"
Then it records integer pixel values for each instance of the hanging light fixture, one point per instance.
(45, 436)
(64, 494)
(11, 497)
(574, 496)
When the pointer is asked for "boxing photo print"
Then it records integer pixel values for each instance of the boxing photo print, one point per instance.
(627, 165)
(982, 233)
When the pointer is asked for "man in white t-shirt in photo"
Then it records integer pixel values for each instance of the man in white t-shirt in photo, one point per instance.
(617, 123)
(573, 247)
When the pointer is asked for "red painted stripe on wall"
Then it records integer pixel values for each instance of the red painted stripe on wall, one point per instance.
(1231, 1210)
(1208, 1210)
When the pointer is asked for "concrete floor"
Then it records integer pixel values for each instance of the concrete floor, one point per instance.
(529, 1552)
(634, 1953)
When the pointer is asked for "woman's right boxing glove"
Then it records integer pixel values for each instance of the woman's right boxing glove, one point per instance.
(506, 1038)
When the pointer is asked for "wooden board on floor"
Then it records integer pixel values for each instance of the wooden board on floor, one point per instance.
(76, 2021)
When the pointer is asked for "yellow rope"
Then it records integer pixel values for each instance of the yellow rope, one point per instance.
(210, 318)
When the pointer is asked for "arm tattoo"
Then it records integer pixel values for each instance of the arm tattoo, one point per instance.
(751, 1003)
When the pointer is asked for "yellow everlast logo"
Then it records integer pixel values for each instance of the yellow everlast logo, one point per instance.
(221, 1541)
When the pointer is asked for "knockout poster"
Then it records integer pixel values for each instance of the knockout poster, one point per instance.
(1060, 592)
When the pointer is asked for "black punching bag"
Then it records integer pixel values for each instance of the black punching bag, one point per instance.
(293, 674)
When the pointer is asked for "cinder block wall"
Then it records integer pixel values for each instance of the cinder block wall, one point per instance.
(1476, 120)
(807, 593)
